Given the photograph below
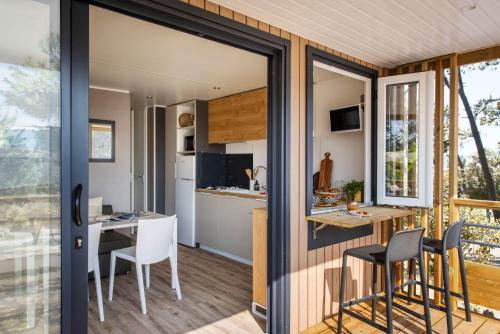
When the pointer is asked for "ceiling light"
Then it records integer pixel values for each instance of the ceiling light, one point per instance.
(216, 87)
(469, 8)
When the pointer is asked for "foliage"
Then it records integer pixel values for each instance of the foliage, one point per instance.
(351, 188)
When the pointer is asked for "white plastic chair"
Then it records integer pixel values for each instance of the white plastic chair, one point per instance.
(156, 241)
(94, 236)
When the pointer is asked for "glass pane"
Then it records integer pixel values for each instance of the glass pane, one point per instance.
(479, 138)
(401, 140)
(29, 167)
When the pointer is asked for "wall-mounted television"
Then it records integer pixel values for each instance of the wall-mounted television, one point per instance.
(347, 119)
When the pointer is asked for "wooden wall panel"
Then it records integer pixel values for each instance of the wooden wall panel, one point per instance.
(315, 275)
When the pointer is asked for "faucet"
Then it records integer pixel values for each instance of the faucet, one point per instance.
(256, 172)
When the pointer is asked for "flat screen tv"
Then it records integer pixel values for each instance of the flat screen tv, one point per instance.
(347, 119)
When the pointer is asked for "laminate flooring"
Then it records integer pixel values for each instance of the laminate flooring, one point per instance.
(216, 298)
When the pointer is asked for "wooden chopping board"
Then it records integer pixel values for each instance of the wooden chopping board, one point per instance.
(325, 173)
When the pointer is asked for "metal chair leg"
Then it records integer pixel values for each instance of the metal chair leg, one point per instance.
(425, 294)
(342, 292)
(388, 298)
(465, 290)
(374, 291)
(447, 297)
(411, 273)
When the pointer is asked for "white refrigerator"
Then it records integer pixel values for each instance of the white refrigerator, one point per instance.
(185, 183)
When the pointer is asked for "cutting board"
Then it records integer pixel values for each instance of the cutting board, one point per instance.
(325, 173)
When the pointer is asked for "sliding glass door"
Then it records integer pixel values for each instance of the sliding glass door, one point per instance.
(30, 166)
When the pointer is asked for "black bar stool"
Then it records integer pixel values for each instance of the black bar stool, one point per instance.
(451, 239)
(403, 246)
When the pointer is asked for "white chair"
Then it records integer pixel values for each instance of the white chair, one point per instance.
(156, 241)
(94, 236)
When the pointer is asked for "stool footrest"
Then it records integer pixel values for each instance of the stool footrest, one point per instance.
(453, 293)
(420, 302)
(365, 320)
(361, 300)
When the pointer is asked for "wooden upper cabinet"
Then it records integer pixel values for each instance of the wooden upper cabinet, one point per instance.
(238, 118)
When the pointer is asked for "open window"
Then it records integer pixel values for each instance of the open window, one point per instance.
(405, 139)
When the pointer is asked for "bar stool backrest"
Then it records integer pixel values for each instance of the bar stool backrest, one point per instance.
(405, 245)
(155, 239)
(452, 235)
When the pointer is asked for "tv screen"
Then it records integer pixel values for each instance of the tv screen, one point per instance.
(345, 119)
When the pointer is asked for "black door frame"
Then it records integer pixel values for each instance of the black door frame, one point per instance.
(74, 67)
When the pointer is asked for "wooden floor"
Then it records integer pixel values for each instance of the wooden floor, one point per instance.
(216, 298)
(404, 323)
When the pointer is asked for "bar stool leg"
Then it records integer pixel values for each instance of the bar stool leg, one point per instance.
(425, 294)
(465, 290)
(411, 273)
(342, 292)
(374, 292)
(447, 298)
(388, 297)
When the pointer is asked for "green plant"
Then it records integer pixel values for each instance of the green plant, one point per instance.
(351, 188)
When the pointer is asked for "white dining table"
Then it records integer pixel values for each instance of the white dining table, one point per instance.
(116, 224)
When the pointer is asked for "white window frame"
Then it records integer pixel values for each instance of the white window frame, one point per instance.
(425, 139)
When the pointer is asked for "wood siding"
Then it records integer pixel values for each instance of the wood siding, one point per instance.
(315, 274)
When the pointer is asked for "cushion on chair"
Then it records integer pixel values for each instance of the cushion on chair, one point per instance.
(371, 253)
(432, 245)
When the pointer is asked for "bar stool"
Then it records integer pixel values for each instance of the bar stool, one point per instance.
(451, 239)
(403, 246)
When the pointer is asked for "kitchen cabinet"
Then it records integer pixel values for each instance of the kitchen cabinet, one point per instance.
(224, 224)
(207, 219)
(237, 118)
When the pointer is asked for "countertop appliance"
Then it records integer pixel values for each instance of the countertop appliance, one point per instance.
(185, 183)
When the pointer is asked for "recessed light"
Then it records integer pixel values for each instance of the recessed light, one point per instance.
(469, 8)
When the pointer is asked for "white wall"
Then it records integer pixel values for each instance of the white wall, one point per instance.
(256, 147)
(346, 148)
(111, 180)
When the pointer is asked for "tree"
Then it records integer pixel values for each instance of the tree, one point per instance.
(488, 111)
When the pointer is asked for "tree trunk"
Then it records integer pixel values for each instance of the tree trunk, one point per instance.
(488, 178)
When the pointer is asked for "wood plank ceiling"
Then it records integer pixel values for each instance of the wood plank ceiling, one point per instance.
(387, 33)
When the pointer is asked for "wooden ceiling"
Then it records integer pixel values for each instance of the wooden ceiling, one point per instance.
(387, 33)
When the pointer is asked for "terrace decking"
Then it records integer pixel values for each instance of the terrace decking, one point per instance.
(404, 323)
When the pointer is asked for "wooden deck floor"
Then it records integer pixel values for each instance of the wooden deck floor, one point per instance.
(404, 323)
(216, 298)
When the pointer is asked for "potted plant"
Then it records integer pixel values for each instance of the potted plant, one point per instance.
(353, 193)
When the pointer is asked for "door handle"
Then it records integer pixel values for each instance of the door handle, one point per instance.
(78, 201)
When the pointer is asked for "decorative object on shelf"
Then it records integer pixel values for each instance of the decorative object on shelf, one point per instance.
(186, 119)
(256, 186)
(352, 206)
(325, 174)
(353, 190)
(315, 181)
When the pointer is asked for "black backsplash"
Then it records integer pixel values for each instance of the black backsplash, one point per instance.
(220, 169)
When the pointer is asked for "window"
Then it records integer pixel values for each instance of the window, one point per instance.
(101, 141)
(405, 140)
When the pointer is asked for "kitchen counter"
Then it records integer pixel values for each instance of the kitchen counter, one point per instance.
(244, 193)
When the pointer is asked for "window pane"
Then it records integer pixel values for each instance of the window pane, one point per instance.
(401, 140)
(29, 167)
